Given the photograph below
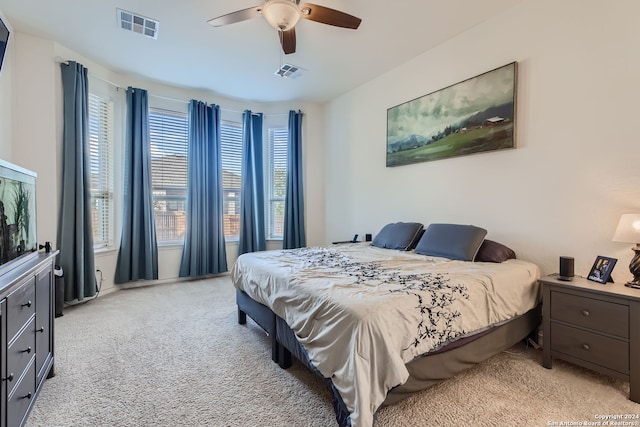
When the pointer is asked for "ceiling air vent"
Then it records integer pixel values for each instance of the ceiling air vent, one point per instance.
(138, 24)
(289, 71)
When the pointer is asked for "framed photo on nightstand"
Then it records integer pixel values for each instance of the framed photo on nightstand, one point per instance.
(601, 270)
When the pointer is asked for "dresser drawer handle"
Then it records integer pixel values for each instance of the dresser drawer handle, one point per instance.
(586, 347)
(27, 396)
(27, 304)
(9, 378)
(585, 313)
(26, 350)
(41, 329)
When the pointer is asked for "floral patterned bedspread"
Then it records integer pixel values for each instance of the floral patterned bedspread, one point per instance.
(363, 312)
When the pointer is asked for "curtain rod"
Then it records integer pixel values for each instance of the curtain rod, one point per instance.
(65, 62)
(118, 87)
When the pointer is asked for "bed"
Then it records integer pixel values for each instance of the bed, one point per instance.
(383, 320)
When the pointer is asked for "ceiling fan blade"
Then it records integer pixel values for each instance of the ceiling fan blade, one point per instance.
(329, 16)
(288, 40)
(237, 16)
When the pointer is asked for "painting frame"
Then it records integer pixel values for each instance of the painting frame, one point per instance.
(601, 270)
(472, 116)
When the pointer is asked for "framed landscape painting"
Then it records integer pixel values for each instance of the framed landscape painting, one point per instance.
(473, 116)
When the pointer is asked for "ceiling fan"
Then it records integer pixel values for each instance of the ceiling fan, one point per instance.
(283, 15)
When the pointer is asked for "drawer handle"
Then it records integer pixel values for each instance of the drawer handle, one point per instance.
(585, 313)
(9, 378)
(41, 329)
(27, 396)
(586, 347)
(27, 304)
(26, 350)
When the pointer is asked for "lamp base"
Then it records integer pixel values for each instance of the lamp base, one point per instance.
(633, 284)
(634, 266)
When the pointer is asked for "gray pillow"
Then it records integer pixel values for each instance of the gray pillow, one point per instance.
(398, 235)
(453, 241)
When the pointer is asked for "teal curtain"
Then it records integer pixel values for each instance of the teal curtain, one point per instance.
(138, 255)
(75, 234)
(294, 232)
(204, 250)
(252, 219)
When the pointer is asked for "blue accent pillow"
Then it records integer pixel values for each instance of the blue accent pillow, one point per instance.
(453, 241)
(402, 236)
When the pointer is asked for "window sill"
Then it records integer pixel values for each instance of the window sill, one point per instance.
(170, 245)
(270, 239)
(104, 250)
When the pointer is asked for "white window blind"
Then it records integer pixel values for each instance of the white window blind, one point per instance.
(101, 169)
(169, 133)
(277, 181)
(231, 157)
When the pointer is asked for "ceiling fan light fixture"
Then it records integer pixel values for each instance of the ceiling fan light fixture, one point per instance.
(281, 14)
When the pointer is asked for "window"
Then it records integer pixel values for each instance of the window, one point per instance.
(231, 156)
(277, 181)
(169, 133)
(169, 139)
(101, 169)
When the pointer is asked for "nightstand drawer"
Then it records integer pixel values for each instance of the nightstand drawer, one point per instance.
(607, 352)
(598, 315)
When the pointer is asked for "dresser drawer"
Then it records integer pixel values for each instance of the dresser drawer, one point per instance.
(21, 304)
(602, 316)
(21, 399)
(20, 353)
(591, 347)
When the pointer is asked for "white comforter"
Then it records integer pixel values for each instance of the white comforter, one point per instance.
(362, 312)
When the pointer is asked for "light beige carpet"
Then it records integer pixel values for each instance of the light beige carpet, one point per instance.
(174, 355)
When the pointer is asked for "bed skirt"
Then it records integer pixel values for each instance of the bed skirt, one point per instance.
(424, 371)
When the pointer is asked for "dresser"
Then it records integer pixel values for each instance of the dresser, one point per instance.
(594, 325)
(26, 335)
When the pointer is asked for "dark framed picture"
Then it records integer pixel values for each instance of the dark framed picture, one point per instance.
(601, 270)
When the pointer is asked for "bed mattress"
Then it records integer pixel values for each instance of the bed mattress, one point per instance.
(363, 313)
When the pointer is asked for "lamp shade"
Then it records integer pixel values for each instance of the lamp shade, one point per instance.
(628, 229)
(281, 14)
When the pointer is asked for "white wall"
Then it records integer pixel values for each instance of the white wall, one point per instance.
(559, 193)
(34, 124)
(36, 142)
(5, 96)
(575, 168)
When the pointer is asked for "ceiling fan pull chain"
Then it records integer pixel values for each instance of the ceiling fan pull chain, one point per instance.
(281, 53)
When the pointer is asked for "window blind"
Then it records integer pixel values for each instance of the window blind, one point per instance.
(169, 133)
(231, 157)
(101, 169)
(277, 181)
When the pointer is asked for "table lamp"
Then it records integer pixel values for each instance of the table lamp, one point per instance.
(628, 231)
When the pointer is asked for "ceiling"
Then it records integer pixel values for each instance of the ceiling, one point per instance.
(239, 60)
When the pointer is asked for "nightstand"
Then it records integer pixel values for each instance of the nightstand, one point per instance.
(593, 325)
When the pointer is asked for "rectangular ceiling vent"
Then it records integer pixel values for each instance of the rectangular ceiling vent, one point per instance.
(289, 71)
(138, 24)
